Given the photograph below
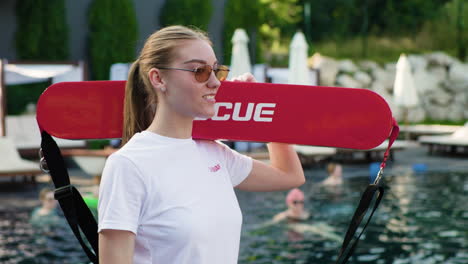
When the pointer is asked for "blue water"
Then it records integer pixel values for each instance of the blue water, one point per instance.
(423, 218)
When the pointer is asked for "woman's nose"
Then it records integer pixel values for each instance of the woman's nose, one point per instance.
(213, 81)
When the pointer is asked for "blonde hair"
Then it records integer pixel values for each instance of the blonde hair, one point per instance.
(331, 167)
(44, 192)
(140, 97)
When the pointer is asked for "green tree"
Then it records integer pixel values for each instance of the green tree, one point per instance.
(264, 20)
(241, 14)
(42, 31)
(113, 32)
(356, 17)
(41, 35)
(186, 12)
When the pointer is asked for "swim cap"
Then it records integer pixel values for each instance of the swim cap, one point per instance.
(294, 195)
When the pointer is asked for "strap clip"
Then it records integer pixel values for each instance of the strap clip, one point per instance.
(63, 192)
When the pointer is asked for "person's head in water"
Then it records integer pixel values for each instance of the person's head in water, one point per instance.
(175, 78)
(46, 196)
(295, 203)
(335, 170)
(335, 174)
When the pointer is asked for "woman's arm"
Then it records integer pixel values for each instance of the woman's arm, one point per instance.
(116, 246)
(284, 172)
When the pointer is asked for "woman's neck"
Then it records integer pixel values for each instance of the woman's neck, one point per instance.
(174, 126)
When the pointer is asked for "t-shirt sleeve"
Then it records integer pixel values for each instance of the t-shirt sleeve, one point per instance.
(238, 165)
(122, 192)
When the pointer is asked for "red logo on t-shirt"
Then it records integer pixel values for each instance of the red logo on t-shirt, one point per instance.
(215, 168)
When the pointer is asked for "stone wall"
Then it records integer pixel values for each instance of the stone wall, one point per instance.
(441, 82)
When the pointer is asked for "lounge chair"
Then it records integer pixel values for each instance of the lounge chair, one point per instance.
(11, 163)
(311, 154)
(377, 152)
(415, 131)
(22, 130)
(450, 143)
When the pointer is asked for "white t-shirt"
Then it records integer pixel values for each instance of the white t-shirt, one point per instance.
(177, 196)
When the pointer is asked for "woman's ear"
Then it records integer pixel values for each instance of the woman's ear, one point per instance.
(156, 80)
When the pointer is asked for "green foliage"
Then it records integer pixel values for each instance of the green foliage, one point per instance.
(241, 14)
(42, 32)
(429, 121)
(113, 33)
(98, 143)
(440, 33)
(19, 96)
(455, 17)
(42, 35)
(346, 18)
(266, 22)
(186, 12)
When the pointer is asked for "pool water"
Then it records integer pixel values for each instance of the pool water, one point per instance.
(423, 218)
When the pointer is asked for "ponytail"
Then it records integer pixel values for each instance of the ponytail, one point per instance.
(140, 96)
(138, 112)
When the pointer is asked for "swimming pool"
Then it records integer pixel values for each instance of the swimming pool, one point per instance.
(422, 219)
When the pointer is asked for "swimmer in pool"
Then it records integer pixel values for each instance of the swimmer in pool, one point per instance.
(295, 211)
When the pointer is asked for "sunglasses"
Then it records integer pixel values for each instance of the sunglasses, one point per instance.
(298, 202)
(203, 73)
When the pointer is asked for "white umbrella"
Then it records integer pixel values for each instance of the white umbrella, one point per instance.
(240, 64)
(404, 89)
(298, 69)
(240, 60)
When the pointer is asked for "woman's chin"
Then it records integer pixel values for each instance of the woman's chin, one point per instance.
(206, 114)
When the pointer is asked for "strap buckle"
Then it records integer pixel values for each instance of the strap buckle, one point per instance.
(63, 192)
(379, 176)
(43, 163)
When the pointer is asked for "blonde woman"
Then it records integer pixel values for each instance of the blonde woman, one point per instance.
(165, 197)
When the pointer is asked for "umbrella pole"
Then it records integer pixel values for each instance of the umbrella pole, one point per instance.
(406, 122)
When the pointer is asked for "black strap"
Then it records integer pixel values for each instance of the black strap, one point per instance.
(74, 208)
(358, 216)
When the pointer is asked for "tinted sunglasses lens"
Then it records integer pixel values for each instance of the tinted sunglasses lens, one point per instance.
(222, 72)
(298, 202)
(203, 73)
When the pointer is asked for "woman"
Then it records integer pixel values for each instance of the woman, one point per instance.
(164, 197)
(45, 217)
(295, 211)
(335, 175)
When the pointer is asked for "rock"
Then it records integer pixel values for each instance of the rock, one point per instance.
(439, 71)
(440, 58)
(441, 82)
(345, 80)
(391, 67)
(363, 78)
(417, 62)
(328, 68)
(426, 82)
(437, 113)
(416, 114)
(385, 78)
(347, 66)
(458, 77)
(455, 113)
(368, 66)
(440, 97)
(380, 89)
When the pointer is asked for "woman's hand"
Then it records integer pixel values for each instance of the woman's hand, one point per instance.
(285, 169)
(246, 77)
